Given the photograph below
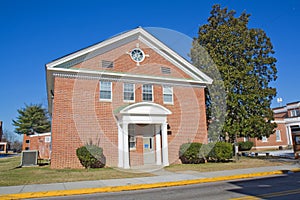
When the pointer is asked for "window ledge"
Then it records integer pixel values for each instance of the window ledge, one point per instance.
(129, 101)
(105, 100)
(169, 103)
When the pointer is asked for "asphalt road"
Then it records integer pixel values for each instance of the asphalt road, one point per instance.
(275, 187)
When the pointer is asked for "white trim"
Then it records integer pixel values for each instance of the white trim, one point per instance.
(132, 79)
(293, 106)
(129, 101)
(165, 102)
(264, 139)
(278, 132)
(165, 148)
(279, 110)
(40, 134)
(143, 113)
(120, 147)
(85, 72)
(128, 110)
(111, 93)
(149, 39)
(92, 48)
(152, 93)
(175, 55)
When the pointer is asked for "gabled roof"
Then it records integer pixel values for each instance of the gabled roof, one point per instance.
(62, 65)
(144, 36)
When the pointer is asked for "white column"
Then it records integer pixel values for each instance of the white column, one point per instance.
(125, 146)
(165, 153)
(158, 145)
(289, 135)
(120, 146)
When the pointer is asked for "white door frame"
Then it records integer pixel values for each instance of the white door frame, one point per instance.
(143, 113)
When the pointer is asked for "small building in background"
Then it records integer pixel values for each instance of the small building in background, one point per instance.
(3, 145)
(40, 142)
(287, 132)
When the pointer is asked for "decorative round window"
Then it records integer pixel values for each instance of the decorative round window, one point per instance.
(137, 55)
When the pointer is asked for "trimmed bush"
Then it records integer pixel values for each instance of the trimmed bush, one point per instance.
(206, 151)
(91, 156)
(222, 151)
(189, 153)
(245, 146)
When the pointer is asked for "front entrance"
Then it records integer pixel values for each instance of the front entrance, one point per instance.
(147, 143)
(148, 150)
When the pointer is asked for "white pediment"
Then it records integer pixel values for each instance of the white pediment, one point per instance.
(145, 108)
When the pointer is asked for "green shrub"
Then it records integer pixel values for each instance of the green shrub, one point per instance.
(206, 151)
(189, 153)
(91, 156)
(222, 151)
(245, 146)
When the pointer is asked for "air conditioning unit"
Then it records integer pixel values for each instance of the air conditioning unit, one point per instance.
(29, 158)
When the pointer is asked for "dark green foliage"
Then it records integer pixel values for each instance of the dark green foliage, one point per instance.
(91, 156)
(33, 118)
(189, 153)
(245, 146)
(206, 151)
(222, 151)
(195, 153)
(244, 58)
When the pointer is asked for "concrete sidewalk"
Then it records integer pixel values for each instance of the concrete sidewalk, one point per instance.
(161, 178)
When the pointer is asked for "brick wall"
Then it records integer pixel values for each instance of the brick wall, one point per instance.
(79, 117)
(36, 142)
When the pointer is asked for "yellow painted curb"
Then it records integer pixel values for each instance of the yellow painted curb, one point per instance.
(134, 187)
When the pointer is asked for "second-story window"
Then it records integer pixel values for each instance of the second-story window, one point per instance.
(168, 94)
(105, 90)
(147, 92)
(295, 113)
(128, 91)
(278, 135)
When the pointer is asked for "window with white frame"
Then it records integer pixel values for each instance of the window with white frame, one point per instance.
(264, 139)
(147, 92)
(105, 90)
(48, 139)
(131, 137)
(295, 113)
(278, 135)
(128, 92)
(168, 94)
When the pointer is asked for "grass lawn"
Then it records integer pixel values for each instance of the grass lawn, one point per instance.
(12, 175)
(244, 162)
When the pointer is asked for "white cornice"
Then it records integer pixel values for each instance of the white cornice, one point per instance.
(92, 48)
(293, 106)
(40, 134)
(176, 56)
(113, 76)
(292, 120)
(150, 40)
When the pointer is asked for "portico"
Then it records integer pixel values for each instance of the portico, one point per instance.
(155, 138)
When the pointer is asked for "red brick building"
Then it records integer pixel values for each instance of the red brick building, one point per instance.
(3, 145)
(287, 119)
(132, 95)
(40, 142)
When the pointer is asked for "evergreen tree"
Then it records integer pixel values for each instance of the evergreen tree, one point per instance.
(33, 118)
(244, 59)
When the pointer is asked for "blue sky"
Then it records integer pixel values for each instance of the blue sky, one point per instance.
(34, 33)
